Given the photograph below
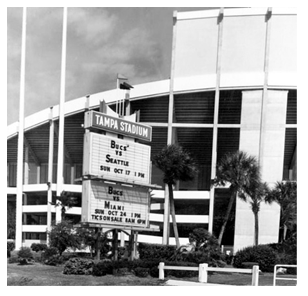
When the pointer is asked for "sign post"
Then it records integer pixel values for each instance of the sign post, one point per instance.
(116, 175)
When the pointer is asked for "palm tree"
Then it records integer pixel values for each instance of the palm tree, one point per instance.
(285, 194)
(257, 194)
(241, 172)
(176, 164)
(65, 200)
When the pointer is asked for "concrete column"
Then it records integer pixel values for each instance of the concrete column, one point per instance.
(215, 127)
(24, 219)
(26, 166)
(272, 162)
(38, 174)
(25, 199)
(249, 142)
(72, 174)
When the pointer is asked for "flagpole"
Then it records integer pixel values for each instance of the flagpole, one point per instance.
(120, 103)
(61, 114)
(117, 93)
(19, 181)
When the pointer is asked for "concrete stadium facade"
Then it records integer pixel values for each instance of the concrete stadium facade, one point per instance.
(232, 86)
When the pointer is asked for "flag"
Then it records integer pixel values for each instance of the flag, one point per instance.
(121, 77)
(121, 83)
(125, 85)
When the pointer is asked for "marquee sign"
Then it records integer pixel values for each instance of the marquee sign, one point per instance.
(115, 204)
(102, 121)
(116, 159)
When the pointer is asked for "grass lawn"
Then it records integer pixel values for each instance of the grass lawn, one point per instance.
(38, 274)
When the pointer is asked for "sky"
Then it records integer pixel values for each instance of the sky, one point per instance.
(101, 42)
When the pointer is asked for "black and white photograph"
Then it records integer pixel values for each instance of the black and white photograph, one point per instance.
(153, 146)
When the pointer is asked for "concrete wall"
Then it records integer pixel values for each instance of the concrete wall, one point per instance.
(271, 152)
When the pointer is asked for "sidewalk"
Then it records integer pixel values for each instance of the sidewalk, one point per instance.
(188, 283)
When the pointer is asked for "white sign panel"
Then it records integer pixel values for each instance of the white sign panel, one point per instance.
(115, 204)
(102, 121)
(116, 159)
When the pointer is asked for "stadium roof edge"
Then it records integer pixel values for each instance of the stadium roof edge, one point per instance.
(79, 104)
(184, 15)
(231, 80)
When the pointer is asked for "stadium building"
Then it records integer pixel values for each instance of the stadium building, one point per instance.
(232, 86)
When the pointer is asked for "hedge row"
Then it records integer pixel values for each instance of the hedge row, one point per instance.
(38, 247)
(153, 251)
(78, 266)
(141, 268)
(267, 256)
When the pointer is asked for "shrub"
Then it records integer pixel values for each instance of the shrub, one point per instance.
(286, 247)
(24, 261)
(25, 253)
(38, 247)
(79, 254)
(141, 268)
(181, 273)
(10, 246)
(102, 268)
(78, 266)
(14, 259)
(121, 271)
(152, 266)
(214, 258)
(145, 263)
(153, 251)
(203, 239)
(122, 264)
(264, 255)
(142, 272)
(286, 253)
(54, 260)
(123, 267)
(51, 256)
(63, 236)
(49, 252)
(205, 250)
(154, 271)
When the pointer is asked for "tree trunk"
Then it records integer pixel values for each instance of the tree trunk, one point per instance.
(285, 229)
(256, 242)
(115, 245)
(131, 246)
(97, 248)
(223, 227)
(172, 210)
(63, 213)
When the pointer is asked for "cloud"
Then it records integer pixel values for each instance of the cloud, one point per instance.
(92, 25)
(134, 54)
(92, 66)
(100, 44)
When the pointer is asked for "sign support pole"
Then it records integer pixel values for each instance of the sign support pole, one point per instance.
(115, 244)
(61, 113)
(98, 251)
(19, 181)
